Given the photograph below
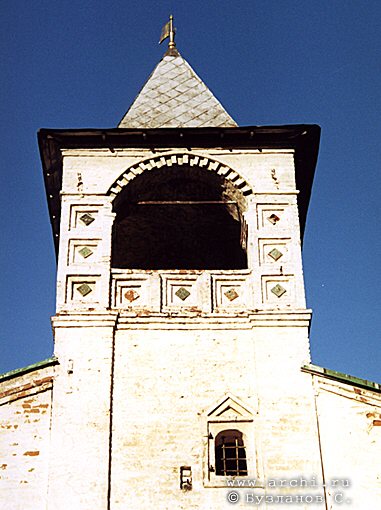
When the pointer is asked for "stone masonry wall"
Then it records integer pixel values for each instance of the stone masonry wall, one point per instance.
(166, 381)
(25, 412)
(79, 463)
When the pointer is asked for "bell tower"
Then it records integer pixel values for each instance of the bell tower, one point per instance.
(181, 322)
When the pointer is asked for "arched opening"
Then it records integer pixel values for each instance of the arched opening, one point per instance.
(230, 453)
(179, 217)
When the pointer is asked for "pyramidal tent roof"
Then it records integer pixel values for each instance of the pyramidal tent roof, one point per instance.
(174, 96)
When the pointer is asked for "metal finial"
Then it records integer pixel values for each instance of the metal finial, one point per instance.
(169, 31)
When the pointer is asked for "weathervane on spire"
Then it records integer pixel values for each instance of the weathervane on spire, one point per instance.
(169, 30)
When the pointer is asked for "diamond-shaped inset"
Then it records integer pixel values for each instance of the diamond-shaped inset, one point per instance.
(278, 290)
(273, 218)
(182, 293)
(231, 294)
(85, 252)
(84, 289)
(87, 219)
(275, 254)
(132, 295)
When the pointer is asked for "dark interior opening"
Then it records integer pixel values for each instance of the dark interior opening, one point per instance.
(179, 217)
(230, 454)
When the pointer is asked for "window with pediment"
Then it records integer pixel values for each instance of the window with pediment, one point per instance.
(231, 447)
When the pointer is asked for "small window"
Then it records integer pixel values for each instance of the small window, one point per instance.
(230, 454)
(231, 443)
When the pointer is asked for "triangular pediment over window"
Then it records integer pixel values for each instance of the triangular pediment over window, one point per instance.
(230, 409)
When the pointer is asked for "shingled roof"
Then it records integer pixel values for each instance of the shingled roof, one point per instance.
(174, 96)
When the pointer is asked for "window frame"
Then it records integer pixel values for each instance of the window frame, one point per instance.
(230, 414)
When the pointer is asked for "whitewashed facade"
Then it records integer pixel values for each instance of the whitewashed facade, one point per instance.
(158, 370)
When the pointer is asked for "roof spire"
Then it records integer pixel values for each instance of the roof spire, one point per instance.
(174, 96)
(169, 30)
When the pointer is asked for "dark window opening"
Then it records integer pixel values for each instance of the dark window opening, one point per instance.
(179, 217)
(230, 454)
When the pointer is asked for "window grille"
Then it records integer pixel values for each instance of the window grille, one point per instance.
(230, 454)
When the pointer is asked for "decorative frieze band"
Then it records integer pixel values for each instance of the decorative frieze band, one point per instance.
(204, 291)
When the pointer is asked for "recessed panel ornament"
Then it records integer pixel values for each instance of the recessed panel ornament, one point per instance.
(273, 219)
(275, 254)
(278, 290)
(231, 294)
(85, 252)
(84, 289)
(87, 219)
(182, 293)
(131, 295)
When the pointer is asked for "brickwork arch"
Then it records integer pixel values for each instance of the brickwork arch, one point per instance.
(180, 158)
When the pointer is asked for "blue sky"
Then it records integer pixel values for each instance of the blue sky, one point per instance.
(69, 64)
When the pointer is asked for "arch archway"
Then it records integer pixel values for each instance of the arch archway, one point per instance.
(179, 217)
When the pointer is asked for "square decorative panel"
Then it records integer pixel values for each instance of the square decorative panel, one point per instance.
(87, 219)
(135, 291)
(274, 250)
(275, 214)
(275, 254)
(278, 290)
(231, 294)
(84, 289)
(85, 252)
(81, 251)
(182, 293)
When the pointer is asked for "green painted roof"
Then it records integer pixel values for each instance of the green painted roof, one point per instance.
(340, 376)
(30, 368)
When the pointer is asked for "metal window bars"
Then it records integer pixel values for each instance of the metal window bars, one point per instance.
(231, 457)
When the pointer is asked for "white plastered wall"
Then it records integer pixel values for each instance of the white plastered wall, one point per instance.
(350, 433)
